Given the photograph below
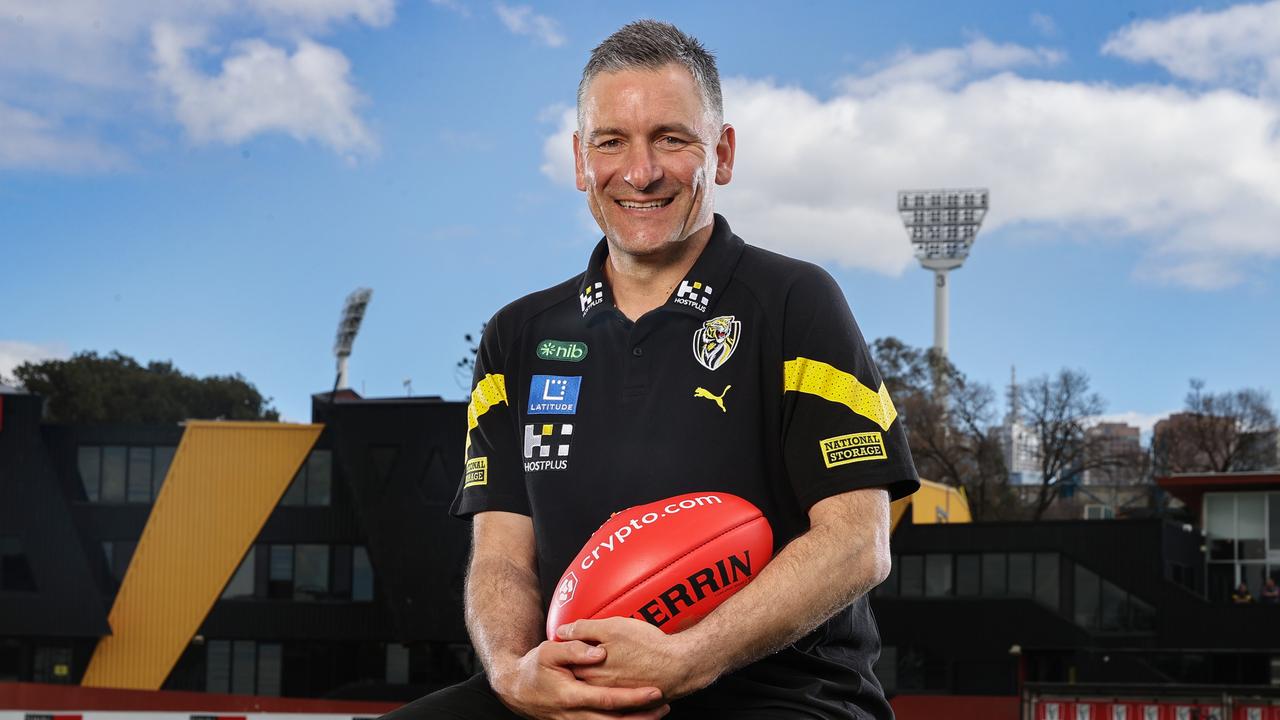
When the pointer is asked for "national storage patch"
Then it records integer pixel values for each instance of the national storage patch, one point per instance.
(477, 472)
(852, 448)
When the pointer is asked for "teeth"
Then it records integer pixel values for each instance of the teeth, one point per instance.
(642, 205)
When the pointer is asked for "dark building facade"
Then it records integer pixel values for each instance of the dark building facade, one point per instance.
(352, 587)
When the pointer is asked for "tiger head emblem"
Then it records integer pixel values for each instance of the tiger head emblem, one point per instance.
(716, 340)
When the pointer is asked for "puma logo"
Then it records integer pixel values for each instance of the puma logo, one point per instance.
(717, 399)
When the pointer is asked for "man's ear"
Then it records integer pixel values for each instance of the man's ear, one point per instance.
(579, 175)
(724, 154)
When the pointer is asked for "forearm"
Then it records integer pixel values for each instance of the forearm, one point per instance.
(813, 577)
(502, 606)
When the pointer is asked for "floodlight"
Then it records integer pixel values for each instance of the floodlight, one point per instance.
(348, 327)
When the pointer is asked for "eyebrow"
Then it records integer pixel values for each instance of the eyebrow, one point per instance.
(680, 128)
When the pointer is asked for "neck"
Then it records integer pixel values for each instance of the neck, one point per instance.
(641, 283)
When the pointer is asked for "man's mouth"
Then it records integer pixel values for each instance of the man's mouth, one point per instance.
(644, 205)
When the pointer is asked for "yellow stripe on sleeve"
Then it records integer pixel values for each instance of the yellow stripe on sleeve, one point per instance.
(830, 383)
(490, 391)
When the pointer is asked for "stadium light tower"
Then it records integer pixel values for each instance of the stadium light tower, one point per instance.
(942, 225)
(348, 326)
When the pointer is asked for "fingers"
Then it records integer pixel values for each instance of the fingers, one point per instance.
(587, 629)
(607, 698)
(569, 653)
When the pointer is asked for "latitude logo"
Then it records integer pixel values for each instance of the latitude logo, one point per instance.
(562, 350)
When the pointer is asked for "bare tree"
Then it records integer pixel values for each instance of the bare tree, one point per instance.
(948, 419)
(1059, 411)
(466, 366)
(1218, 432)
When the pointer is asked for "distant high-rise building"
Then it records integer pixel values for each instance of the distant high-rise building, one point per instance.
(1121, 445)
(1020, 444)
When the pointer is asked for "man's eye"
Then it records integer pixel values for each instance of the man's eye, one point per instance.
(613, 145)
(669, 142)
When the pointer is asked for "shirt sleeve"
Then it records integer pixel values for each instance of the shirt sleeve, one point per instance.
(841, 431)
(493, 478)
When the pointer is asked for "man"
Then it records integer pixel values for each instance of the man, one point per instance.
(682, 360)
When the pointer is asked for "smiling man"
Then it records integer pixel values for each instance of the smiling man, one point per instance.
(682, 360)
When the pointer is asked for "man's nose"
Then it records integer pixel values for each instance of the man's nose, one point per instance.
(642, 168)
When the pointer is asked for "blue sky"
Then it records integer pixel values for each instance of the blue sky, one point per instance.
(204, 182)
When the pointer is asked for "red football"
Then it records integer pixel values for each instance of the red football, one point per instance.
(668, 563)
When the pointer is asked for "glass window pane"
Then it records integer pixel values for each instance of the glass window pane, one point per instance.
(269, 662)
(1251, 509)
(993, 574)
(15, 570)
(297, 493)
(243, 666)
(968, 575)
(361, 575)
(217, 666)
(164, 458)
(139, 475)
(281, 562)
(1273, 524)
(1047, 592)
(241, 584)
(114, 460)
(1114, 611)
(912, 575)
(397, 664)
(1253, 575)
(90, 462)
(1087, 598)
(937, 575)
(1220, 525)
(311, 572)
(319, 477)
(1020, 574)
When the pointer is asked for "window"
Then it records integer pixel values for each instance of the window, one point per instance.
(243, 667)
(52, 664)
(313, 484)
(114, 471)
(912, 575)
(1113, 612)
(1046, 591)
(139, 484)
(118, 554)
(241, 583)
(993, 574)
(1020, 574)
(280, 575)
(15, 571)
(361, 575)
(117, 474)
(397, 664)
(311, 572)
(937, 575)
(1086, 597)
(1251, 512)
(968, 575)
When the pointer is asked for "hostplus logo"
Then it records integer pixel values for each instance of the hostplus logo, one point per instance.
(546, 446)
(592, 296)
(695, 295)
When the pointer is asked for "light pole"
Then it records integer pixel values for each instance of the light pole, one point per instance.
(942, 225)
(348, 326)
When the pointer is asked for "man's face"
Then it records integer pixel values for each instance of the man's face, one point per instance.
(646, 155)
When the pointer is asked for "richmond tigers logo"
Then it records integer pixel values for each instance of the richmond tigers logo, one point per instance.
(716, 340)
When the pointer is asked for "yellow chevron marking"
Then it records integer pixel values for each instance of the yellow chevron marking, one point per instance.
(490, 391)
(830, 383)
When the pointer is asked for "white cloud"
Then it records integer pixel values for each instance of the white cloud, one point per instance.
(30, 141)
(1192, 177)
(522, 20)
(14, 353)
(1238, 46)
(90, 64)
(261, 88)
(1044, 24)
(949, 67)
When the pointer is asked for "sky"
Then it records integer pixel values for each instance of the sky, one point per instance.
(204, 181)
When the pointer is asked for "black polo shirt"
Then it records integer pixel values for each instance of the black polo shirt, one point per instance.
(752, 379)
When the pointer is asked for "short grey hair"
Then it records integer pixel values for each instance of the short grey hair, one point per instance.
(649, 45)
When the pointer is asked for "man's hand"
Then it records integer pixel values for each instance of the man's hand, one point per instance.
(636, 654)
(541, 684)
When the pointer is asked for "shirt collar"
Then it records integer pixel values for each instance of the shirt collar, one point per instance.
(695, 295)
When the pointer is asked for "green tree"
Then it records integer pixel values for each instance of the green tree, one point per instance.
(89, 388)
